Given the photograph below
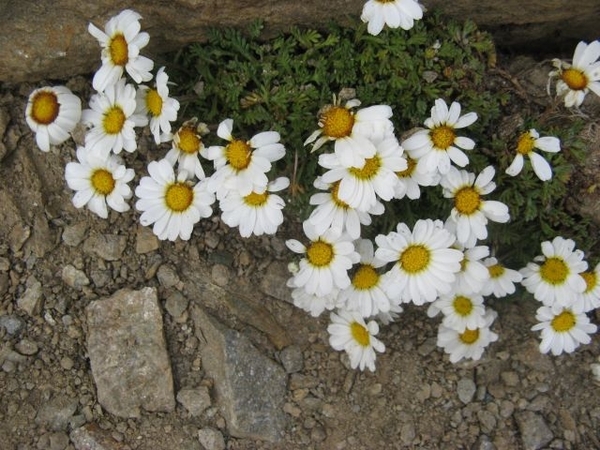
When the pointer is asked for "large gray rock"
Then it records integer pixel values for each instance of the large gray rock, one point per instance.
(45, 40)
(128, 355)
(250, 388)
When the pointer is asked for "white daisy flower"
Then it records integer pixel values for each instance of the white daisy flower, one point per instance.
(186, 147)
(352, 131)
(312, 304)
(577, 79)
(257, 213)
(360, 187)
(393, 13)
(112, 117)
(326, 263)
(461, 311)
(529, 141)
(242, 165)
(563, 328)
(469, 343)
(425, 265)
(501, 280)
(439, 145)
(99, 180)
(473, 275)
(470, 215)
(52, 113)
(410, 180)
(161, 108)
(349, 332)
(557, 279)
(591, 295)
(121, 43)
(173, 204)
(365, 293)
(331, 212)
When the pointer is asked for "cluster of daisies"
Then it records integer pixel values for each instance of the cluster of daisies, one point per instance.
(444, 264)
(176, 194)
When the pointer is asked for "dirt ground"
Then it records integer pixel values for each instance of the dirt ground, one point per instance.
(513, 398)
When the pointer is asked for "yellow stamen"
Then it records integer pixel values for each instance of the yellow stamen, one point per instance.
(254, 199)
(360, 334)
(469, 336)
(320, 253)
(411, 165)
(103, 181)
(114, 120)
(187, 140)
(45, 107)
(591, 280)
(119, 50)
(414, 259)
(496, 271)
(365, 277)
(442, 137)
(462, 305)
(554, 271)
(154, 102)
(526, 144)
(337, 122)
(335, 187)
(369, 170)
(575, 79)
(179, 197)
(239, 154)
(467, 200)
(565, 321)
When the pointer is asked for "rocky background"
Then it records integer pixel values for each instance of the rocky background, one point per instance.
(112, 340)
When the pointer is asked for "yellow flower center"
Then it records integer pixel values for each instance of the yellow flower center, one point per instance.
(239, 154)
(369, 170)
(254, 199)
(554, 271)
(463, 306)
(337, 122)
(526, 144)
(179, 197)
(119, 50)
(467, 200)
(411, 165)
(365, 277)
(575, 79)
(442, 137)
(188, 141)
(591, 280)
(563, 322)
(320, 253)
(154, 102)
(114, 120)
(415, 259)
(335, 187)
(360, 334)
(103, 181)
(496, 271)
(45, 107)
(469, 336)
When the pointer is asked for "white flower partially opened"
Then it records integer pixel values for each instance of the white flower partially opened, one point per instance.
(393, 13)
(527, 143)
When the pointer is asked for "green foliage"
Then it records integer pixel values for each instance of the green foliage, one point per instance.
(281, 83)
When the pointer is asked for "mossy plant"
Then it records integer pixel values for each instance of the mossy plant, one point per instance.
(281, 83)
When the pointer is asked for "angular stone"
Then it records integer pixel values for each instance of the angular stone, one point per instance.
(145, 240)
(92, 437)
(465, 389)
(250, 388)
(128, 355)
(109, 247)
(211, 439)
(535, 433)
(196, 401)
(74, 278)
(32, 299)
(57, 412)
(274, 282)
(74, 234)
(49, 40)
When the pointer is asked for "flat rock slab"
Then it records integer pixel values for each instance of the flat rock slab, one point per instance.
(128, 355)
(250, 388)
